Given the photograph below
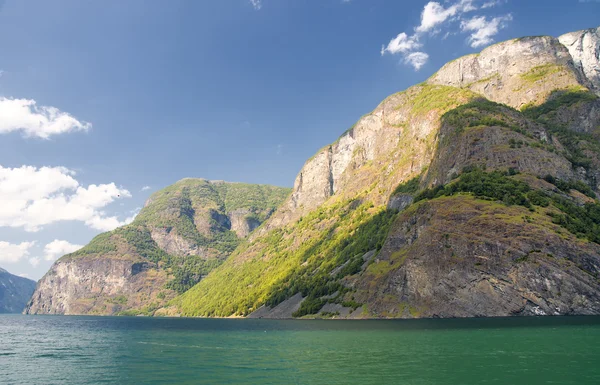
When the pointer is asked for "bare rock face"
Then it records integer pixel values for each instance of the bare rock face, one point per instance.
(394, 138)
(243, 222)
(98, 286)
(172, 243)
(584, 47)
(460, 257)
(516, 72)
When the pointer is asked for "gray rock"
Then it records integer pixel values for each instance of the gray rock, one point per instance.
(282, 311)
(584, 47)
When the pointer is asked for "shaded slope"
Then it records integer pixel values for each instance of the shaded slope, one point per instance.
(14, 292)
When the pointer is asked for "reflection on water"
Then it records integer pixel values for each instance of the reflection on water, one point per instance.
(89, 350)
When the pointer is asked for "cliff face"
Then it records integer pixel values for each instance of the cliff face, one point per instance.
(182, 233)
(14, 292)
(584, 47)
(472, 194)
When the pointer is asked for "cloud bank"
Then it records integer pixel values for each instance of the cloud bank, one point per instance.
(34, 197)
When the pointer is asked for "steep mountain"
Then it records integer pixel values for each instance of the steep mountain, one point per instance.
(472, 194)
(183, 232)
(14, 292)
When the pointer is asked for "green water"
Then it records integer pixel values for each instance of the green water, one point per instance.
(90, 350)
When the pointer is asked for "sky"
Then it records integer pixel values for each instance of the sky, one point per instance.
(103, 103)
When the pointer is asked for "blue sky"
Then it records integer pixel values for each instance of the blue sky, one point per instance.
(104, 102)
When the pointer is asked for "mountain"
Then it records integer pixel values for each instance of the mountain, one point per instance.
(14, 292)
(182, 233)
(472, 194)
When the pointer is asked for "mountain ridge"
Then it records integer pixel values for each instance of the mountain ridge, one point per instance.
(15, 291)
(503, 145)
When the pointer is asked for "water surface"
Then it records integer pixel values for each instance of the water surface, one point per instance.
(111, 350)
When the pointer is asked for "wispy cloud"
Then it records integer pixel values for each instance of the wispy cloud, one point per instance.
(257, 4)
(35, 261)
(416, 59)
(483, 30)
(146, 188)
(279, 149)
(434, 17)
(58, 248)
(32, 120)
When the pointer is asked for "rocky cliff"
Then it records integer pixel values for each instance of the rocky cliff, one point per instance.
(183, 232)
(14, 292)
(472, 194)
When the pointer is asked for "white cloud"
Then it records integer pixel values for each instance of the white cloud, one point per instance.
(35, 261)
(416, 59)
(483, 30)
(491, 4)
(24, 275)
(146, 188)
(58, 248)
(11, 253)
(401, 44)
(279, 149)
(434, 16)
(33, 197)
(257, 4)
(25, 116)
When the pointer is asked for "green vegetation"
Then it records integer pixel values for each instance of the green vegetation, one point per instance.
(576, 143)
(409, 187)
(481, 112)
(101, 244)
(583, 221)
(435, 97)
(567, 186)
(177, 209)
(541, 72)
(559, 99)
(312, 256)
(495, 185)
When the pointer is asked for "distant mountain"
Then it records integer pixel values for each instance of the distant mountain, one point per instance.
(183, 232)
(15, 291)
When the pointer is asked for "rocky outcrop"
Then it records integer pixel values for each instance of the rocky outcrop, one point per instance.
(284, 310)
(243, 222)
(584, 47)
(172, 243)
(14, 292)
(460, 257)
(390, 145)
(516, 72)
(99, 286)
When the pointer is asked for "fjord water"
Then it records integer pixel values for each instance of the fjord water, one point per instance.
(94, 350)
